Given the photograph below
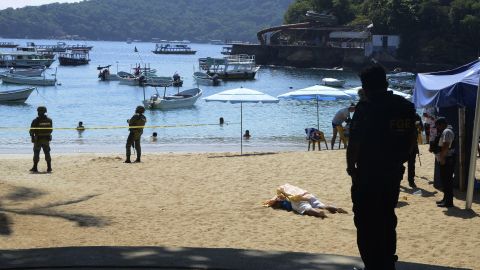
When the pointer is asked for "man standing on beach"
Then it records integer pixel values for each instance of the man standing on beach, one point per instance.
(341, 116)
(444, 155)
(381, 138)
(41, 134)
(137, 122)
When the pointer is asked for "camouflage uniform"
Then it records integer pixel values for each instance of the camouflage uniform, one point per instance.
(137, 120)
(41, 138)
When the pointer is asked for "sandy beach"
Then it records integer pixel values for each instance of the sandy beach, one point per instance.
(214, 200)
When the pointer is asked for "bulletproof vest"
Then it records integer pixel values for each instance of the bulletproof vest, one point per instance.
(389, 132)
(137, 120)
(42, 122)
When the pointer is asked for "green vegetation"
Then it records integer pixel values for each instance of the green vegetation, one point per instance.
(196, 20)
(444, 31)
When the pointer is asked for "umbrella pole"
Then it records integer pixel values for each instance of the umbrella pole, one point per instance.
(241, 128)
(318, 117)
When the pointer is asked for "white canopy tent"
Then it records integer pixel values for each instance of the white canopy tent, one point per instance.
(242, 95)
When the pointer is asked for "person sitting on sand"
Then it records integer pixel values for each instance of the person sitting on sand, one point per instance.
(302, 202)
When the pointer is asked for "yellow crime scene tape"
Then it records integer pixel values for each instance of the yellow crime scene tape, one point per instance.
(115, 127)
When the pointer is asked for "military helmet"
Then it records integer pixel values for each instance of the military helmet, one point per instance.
(140, 109)
(42, 109)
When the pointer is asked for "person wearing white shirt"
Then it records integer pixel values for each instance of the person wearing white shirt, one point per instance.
(341, 116)
(444, 156)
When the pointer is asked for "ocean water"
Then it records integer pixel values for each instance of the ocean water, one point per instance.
(82, 97)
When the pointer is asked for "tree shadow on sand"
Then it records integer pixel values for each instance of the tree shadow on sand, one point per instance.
(182, 258)
(10, 204)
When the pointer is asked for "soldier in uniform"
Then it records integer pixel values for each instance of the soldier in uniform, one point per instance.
(381, 138)
(41, 138)
(137, 120)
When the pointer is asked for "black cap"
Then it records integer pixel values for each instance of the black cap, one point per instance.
(441, 120)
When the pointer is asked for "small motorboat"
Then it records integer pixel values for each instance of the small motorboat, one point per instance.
(16, 96)
(20, 79)
(105, 75)
(28, 72)
(183, 99)
(401, 75)
(205, 79)
(333, 82)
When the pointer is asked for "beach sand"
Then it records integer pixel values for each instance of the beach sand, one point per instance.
(214, 200)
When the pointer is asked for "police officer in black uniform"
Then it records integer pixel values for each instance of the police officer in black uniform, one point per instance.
(41, 134)
(137, 121)
(381, 138)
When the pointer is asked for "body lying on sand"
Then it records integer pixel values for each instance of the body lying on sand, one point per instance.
(290, 197)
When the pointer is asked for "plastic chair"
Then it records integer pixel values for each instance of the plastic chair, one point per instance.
(343, 138)
(314, 136)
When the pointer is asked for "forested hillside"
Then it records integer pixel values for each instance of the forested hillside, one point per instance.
(444, 31)
(196, 20)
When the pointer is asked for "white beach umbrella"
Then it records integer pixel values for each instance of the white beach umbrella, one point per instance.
(316, 92)
(354, 92)
(242, 95)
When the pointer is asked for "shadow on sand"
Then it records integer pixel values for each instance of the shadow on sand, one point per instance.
(9, 204)
(180, 258)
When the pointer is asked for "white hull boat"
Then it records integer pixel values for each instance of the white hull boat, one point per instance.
(333, 82)
(16, 96)
(205, 79)
(401, 75)
(31, 72)
(19, 79)
(183, 99)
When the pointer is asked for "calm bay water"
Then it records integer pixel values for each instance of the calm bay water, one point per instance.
(82, 97)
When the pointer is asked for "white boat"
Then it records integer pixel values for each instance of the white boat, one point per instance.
(19, 79)
(401, 83)
(333, 82)
(183, 99)
(24, 59)
(232, 67)
(30, 72)
(16, 96)
(401, 75)
(205, 79)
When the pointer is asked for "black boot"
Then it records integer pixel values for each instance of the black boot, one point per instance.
(49, 166)
(127, 160)
(34, 169)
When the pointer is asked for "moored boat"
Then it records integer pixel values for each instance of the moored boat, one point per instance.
(232, 67)
(333, 82)
(19, 79)
(173, 49)
(16, 96)
(24, 59)
(30, 72)
(8, 45)
(205, 79)
(74, 59)
(183, 99)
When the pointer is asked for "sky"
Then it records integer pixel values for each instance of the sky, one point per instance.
(21, 3)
